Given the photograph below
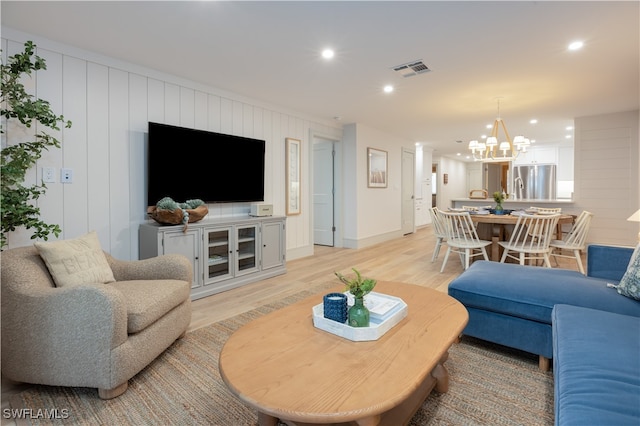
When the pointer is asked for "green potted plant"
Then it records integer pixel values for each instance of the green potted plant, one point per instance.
(18, 206)
(358, 315)
(499, 199)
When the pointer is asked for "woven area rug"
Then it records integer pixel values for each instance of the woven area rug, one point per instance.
(489, 385)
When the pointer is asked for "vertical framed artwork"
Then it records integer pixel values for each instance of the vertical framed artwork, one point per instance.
(292, 162)
(376, 168)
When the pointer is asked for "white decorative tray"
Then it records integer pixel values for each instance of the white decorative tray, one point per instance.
(384, 312)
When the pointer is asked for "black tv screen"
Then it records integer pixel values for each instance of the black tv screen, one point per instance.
(187, 164)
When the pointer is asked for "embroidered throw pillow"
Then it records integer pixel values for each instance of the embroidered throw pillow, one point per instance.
(630, 283)
(77, 261)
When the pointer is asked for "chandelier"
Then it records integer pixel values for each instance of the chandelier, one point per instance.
(492, 151)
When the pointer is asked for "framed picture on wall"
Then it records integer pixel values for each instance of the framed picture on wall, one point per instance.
(376, 168)
(292, 162)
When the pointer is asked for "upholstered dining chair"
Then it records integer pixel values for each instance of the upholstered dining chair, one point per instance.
(462, 238)
(97, 328)
(530, 238)
(574, 240)
(439, 231)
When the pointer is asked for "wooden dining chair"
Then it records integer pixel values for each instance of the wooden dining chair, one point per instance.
(530, 238)
(438, 230)
(574, 240)
(462, 238)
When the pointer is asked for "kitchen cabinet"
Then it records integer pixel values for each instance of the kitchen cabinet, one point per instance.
(536, 155)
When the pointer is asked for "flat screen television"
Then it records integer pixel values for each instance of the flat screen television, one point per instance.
(187, 164)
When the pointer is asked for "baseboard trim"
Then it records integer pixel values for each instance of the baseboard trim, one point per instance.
(369, 241)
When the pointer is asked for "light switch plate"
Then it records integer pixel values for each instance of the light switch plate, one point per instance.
(48, 174)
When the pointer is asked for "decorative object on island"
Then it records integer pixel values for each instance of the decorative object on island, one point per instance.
(498, 197)
(358, 314)
(168, 212)
(292, 159)
(335, 307)
(488, 151)
(19, 195)
(376, 168)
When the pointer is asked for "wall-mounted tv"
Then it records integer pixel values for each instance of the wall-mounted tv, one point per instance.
(187, 164)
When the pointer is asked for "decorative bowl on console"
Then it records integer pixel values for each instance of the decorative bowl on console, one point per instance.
(168, 212)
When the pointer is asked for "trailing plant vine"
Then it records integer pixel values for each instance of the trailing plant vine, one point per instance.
(18, 202)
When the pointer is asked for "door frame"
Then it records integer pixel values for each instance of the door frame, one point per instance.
(337, 185)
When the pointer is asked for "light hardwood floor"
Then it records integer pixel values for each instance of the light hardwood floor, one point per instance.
(405, 259)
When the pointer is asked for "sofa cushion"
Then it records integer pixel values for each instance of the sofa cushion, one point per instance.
(630, 283)
(596, 367)
(149, 300)
(530, 292)
(77, 261)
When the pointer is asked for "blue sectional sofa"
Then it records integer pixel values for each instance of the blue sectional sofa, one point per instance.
(596, 367)
(591, 331)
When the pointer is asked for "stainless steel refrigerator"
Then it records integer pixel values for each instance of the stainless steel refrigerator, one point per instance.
(535, 182)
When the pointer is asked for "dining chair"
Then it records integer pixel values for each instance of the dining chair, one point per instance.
(462, 238)
(545, 210)
(530, 238)
(438, 230)
(574, 240)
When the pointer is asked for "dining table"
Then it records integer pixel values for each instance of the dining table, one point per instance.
(498, 227)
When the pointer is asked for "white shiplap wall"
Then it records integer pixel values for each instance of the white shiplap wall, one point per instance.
(607, 175)
(110, 104)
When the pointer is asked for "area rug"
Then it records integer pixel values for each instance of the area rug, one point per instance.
(489, 385)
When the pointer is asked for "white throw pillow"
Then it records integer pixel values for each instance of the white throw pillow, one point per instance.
(77, 261)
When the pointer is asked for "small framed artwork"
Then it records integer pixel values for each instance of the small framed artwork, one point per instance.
(292, 162)
(376, 168)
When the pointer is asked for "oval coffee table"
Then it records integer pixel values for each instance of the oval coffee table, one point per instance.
(287, 369)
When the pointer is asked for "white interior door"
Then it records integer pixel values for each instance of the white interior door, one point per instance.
(323, 193)
(408, 191)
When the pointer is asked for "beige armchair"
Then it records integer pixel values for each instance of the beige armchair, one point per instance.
(90, 335)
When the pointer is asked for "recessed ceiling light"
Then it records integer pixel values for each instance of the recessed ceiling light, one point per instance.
(576, 45)
(328, 53)
(489, 126)
(534, 121)
(568, 136)
(388, 88)
(569, 127)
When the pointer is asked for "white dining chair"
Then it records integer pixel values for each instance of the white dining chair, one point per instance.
(545, 210)
(574, 240)
(530, 238)
(462, 238)
(439, 231)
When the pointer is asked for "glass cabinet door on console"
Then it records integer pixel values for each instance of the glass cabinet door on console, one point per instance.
(219, 255)
(246, 249)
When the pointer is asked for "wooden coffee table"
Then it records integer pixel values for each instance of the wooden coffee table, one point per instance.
(287, 369)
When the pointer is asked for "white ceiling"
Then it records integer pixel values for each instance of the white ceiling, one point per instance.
(477, 52)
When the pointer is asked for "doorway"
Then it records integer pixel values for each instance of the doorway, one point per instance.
(408, 191)
(323, 192)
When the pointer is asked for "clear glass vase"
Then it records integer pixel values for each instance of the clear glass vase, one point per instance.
(359, 314)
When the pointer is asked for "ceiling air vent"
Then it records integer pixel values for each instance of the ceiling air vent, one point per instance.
(412, 68)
